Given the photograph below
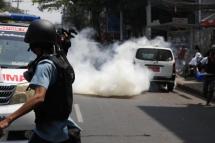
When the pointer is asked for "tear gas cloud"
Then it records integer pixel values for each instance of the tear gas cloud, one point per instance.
(108, 70)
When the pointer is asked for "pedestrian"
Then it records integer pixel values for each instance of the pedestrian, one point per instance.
(195, 61)
(182, 53)
(181, 58)
(198, 55)
(51, 78)
(208, 65)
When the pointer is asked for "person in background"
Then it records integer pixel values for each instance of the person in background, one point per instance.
(181, 58)
(195, 61)
(198, 55)
(208, 64)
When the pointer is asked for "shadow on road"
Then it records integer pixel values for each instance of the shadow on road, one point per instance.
(192, 124)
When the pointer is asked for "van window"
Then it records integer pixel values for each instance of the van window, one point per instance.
(151, 54)
(146, 54)
(164, 55)
(13, 49)
(14, 53)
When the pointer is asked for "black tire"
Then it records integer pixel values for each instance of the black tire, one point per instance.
(170, 86)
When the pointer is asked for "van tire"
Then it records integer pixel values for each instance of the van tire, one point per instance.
(170, 86)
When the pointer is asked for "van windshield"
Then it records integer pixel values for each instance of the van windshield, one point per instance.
(151, 54)
(14, 53)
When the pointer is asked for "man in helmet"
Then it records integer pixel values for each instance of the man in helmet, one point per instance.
(51, 77)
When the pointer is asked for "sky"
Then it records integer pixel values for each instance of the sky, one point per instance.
(53, 16)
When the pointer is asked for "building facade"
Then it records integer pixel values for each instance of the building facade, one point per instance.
(179, 22)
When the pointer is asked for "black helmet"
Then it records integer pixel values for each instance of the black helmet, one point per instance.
(40, 31)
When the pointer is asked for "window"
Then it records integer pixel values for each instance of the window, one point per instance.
(164, 55)
(14, 52)
(151, 54)
(146, 54)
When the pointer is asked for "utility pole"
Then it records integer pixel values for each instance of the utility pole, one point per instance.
(200, 12)
(121, 25)
(199, 21)
(148, 19)
(17, 2)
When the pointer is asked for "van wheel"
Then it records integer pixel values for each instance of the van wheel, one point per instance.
(170, 86)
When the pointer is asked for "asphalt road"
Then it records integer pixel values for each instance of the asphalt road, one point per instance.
(152, 117)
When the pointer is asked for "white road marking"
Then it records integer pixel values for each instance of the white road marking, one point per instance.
(78, 113)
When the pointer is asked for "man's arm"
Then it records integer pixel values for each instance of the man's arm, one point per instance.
(29, 105)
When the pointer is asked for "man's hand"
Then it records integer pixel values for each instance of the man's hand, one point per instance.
(33, 101)
(4, 123)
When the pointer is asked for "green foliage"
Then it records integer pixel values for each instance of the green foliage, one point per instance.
(82, 13)
(7, 7)
(2, 4)
(77, 10)
(77, 16)
(52, 4)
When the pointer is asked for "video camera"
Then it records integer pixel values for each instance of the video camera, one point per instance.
(63, 38)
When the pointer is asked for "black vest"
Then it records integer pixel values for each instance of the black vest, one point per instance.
(59, 96)
(210, 67)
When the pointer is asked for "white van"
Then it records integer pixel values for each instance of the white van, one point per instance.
(160, 61)
(14, 59)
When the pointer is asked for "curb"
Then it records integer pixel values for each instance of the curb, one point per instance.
(188, 89)
(191, 87)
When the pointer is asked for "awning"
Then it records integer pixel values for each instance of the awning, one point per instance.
(208, 21)
(189, 5)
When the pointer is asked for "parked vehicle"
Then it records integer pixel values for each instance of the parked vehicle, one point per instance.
(14, 59)
(160, 61)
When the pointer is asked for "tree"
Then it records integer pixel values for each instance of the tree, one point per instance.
(4, 6)
(52, 4)
(82, 13)
(77, 11)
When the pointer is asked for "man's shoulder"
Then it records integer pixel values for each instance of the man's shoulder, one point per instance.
(46, 61)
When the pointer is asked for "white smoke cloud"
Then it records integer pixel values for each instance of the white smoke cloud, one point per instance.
(108, 70)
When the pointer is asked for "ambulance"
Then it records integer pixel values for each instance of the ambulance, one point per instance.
(14, 58)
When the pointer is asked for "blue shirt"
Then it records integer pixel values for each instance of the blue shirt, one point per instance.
(45, 76)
